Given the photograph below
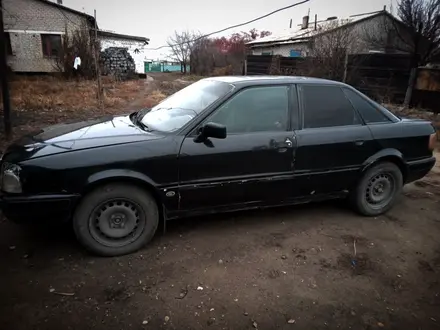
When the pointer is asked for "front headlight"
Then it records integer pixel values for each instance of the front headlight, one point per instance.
(10, 180)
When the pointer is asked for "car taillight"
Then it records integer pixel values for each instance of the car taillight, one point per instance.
(432, 141)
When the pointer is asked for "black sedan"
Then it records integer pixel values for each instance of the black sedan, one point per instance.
(220, 144)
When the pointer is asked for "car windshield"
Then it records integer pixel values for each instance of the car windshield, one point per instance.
(178, 109)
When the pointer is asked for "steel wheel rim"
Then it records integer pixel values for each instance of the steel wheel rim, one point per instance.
(117, 222)
(380, 190)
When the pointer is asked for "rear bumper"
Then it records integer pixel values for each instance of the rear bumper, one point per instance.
(38, 207)
(419, 168)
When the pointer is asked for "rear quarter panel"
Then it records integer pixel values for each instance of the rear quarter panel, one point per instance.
(410, 137)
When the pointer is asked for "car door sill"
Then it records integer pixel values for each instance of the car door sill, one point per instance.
(254, 205)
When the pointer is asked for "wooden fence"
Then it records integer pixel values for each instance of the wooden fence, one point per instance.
(381, 76)
(268, 64)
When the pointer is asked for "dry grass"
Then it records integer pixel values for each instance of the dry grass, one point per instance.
(156, 96)
(42, 101)
(224, 71)
(50, 93)
(415, 113)
(191, 77)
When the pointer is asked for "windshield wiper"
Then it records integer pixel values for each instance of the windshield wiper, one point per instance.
(143, 126)
(141, 113)
(138, 119)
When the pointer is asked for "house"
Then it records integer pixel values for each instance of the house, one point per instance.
(35, 29)
(134, 45)
(362, 33)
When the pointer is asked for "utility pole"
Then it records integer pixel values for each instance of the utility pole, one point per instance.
(4, 78)
(98, 71)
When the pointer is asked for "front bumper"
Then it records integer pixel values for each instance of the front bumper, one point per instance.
(35, 208)
(417, 169)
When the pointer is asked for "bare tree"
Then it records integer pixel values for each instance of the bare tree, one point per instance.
(181, 44)
(203, 56)
(78, 43)
(417, 34)
(222, 55)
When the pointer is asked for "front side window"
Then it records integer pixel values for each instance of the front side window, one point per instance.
(327, 106)
(178, 109)
(51, 44)
(368, 112)
(255, 109)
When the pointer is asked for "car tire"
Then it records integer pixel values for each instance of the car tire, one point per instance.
(116, 219)
(378, 189)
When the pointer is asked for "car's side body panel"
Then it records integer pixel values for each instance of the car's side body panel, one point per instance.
(409, 137)
(329, 159)
(238, 169)
(152, 164)
(241, 169)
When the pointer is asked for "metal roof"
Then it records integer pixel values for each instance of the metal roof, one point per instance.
(102, 33)
(91, 19)
(288, 36)
(73, 11)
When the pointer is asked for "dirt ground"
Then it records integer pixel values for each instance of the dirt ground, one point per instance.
(317, 266)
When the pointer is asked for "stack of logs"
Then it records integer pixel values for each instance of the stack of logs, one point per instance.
(118, 62)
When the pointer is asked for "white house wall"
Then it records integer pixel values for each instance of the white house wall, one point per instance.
(131, 46)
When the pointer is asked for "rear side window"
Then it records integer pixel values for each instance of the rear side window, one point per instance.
(368, 112)
(327, 106)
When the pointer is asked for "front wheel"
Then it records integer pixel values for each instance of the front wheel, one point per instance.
(378, 189)
(116, 219)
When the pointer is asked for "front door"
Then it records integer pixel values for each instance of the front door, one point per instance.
(254, 163)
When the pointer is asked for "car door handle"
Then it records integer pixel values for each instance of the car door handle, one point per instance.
(284, 145)
(359, 143)
(288, 143)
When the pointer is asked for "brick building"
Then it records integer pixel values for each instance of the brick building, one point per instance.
(34, 30)
(34, 35)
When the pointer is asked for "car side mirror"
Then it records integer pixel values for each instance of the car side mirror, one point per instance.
(213, 130)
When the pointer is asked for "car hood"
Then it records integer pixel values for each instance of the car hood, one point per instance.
(60, 138)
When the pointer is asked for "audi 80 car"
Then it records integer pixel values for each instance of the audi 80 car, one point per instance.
(220, 144)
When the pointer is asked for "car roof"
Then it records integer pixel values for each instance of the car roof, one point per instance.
(251, 80)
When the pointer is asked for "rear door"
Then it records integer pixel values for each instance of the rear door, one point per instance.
(253, 163)
(333, 142)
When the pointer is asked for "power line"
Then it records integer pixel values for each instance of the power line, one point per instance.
(233, 26)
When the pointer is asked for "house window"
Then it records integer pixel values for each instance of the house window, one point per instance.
(8, 44)
(51, 45)
(295, 53)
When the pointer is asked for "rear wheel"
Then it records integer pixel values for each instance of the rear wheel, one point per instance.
(116, 219)
(378, 189)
